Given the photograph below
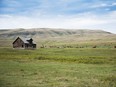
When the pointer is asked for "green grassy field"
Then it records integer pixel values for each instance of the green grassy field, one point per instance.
(58, 67)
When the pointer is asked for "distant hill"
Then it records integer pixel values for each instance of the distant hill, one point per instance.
(47, 35)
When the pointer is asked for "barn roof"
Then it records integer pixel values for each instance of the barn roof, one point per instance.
(25, 40)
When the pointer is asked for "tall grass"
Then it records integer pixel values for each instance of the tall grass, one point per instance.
(89, 56)
(55, 74)
(58, 67)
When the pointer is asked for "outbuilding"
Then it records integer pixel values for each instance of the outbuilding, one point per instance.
(24, 43)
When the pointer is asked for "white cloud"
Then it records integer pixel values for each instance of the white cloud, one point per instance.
(80, 21)
(99, 5)
(114, 4)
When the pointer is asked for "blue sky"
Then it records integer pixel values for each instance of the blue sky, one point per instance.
(69, 14)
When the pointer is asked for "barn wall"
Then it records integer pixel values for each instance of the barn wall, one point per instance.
(18, 43)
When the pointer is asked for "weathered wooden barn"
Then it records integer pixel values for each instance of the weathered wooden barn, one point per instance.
(24, 43)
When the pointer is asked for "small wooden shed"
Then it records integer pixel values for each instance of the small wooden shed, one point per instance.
(24, 43)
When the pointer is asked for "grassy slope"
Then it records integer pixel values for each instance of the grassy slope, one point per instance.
(69, 67)
(75, 64)
(60, 37)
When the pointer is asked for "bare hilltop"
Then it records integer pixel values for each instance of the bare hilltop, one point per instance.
(50, 36)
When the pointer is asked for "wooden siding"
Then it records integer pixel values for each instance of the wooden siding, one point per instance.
(18, 43)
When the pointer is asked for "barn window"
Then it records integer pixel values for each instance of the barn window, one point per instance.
(22, 45)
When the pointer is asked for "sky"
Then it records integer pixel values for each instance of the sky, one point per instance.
(68, 14)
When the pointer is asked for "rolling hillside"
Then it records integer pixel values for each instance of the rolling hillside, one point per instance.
(49, 36)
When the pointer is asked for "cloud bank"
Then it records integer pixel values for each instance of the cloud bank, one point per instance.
(68, 14)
